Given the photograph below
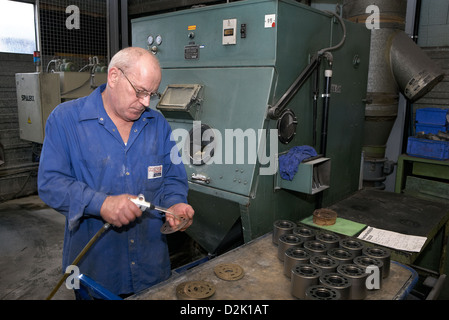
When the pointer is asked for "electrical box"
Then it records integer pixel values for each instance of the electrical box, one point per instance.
(37, 95)
(229, 31)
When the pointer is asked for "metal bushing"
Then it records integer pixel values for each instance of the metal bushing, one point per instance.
(357, 276)
(304, 232)
(382, 254)
(287, 241)
(365, 262)
(341, 255)
(330, 239)
(320, 292)
(281, 227)
(337, 282)
(294, 256)
(315, 247)
(325, 263)
(303, 276)
(353, 245)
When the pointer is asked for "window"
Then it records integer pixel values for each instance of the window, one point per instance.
(17, 27)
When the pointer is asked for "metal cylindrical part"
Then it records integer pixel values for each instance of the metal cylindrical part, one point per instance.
(337, 282)
(304, 232)
(293, 257)
(353, 245)
(357, 277)
(281, 227)
(315, 247)
(368, 263)
(415, 73)
(319, 292)
(330, 239)
(303, 276)
(382, 254)
(325, 263)
(286, 241)
(342, 255)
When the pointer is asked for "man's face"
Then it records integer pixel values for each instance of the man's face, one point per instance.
(134, 89)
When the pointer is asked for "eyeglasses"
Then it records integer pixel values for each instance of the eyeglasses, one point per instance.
(141, 94)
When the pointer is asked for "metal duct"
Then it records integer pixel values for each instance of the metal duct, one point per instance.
(415, 73)
(396, 64)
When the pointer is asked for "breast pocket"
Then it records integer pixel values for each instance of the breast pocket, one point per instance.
(154, 173)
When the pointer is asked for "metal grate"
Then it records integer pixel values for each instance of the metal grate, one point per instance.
(73, 34)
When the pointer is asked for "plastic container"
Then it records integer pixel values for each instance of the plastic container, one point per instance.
(426, 148)
(430, 128)
(435, 116)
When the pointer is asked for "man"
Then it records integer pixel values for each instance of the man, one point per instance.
(101, 150)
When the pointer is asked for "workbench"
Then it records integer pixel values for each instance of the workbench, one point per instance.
(264, 277)
(400, 213)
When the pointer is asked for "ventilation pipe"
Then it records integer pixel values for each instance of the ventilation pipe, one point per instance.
(396, 65)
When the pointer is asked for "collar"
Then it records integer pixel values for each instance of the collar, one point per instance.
(93, 107)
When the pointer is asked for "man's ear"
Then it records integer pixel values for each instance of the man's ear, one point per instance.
(113, 75)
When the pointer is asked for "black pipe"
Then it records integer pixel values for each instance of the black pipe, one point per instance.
(316, 92)
(326, 102)
(408, 118)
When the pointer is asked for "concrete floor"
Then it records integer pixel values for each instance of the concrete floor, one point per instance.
(31, 241)
(31, 238)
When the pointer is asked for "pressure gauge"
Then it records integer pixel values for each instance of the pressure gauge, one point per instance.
(158, 40)
(150, 40)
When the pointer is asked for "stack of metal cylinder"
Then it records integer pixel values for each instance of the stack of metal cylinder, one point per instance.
(323, 265)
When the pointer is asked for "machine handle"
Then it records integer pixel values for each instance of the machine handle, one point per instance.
(200, 177)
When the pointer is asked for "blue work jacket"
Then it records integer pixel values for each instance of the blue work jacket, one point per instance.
(83, 160)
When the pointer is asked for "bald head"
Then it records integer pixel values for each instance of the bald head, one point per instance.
(130, 57)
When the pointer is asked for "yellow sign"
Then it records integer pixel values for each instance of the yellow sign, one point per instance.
(190, 28)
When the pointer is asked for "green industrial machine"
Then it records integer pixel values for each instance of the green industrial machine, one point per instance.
(243, 84)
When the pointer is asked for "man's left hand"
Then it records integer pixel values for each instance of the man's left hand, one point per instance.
(181, 210)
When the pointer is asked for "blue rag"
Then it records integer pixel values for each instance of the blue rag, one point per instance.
(289, 162)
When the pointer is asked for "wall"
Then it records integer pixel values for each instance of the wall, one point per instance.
(18, 173)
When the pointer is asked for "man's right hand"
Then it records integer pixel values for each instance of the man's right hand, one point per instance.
(119, 210)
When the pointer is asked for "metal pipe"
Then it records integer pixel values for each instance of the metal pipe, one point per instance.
(326, 100)
(79, 257)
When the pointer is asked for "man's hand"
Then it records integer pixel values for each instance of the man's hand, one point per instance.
(181, 210)
(119, 210)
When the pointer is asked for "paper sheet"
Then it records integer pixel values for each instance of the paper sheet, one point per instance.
(393, 240)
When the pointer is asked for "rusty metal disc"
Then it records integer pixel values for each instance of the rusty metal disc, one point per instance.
(167, 229)
(199, 289)
(180, 292)
(228, 271)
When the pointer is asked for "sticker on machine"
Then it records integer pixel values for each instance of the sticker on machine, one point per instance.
(270, 20)
(154, 172)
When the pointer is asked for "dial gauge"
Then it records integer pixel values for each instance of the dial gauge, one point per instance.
(158, 40)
